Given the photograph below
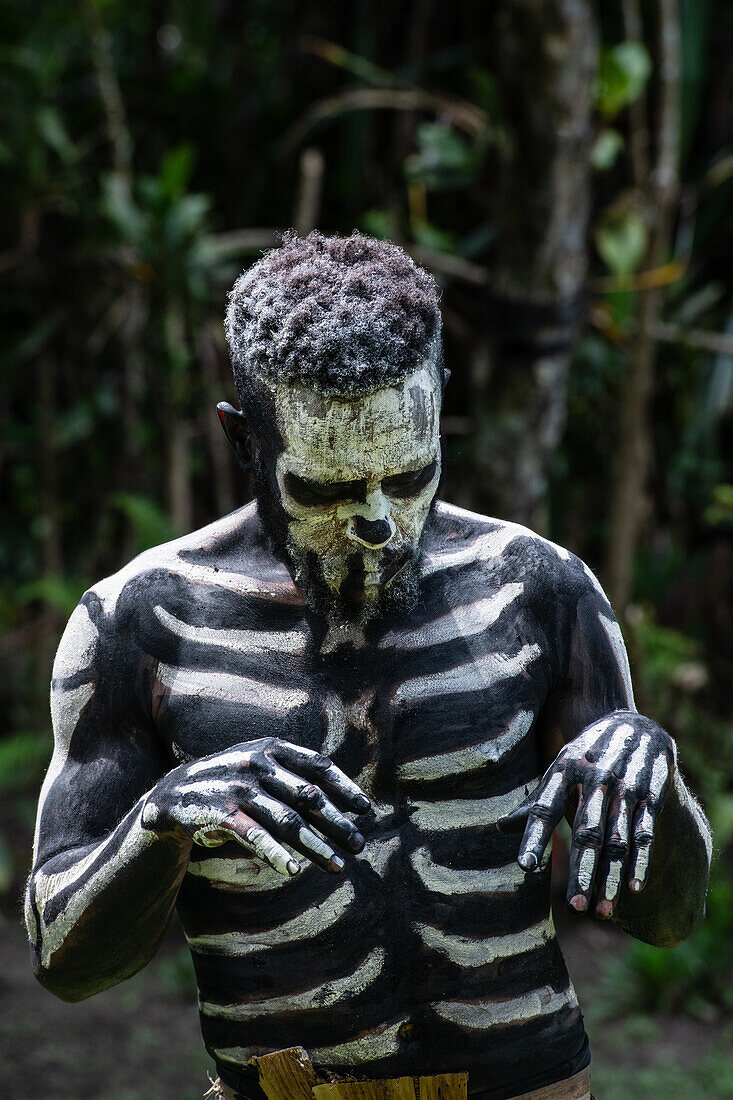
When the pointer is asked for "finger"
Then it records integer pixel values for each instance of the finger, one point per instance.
(250, 835)
(516, 820)
(588, 829)
(545, 815)
(614, 857)
(323, 772)
(642, 843)
(310, 801)
(285, 823)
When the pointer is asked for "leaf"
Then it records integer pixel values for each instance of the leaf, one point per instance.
(119, 206)
(605, 150)
(622, 242)
(444, 158)
(623, 72)
(53, 131)
(175, 170)
(150, 524)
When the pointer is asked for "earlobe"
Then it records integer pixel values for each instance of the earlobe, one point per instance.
(234, 423)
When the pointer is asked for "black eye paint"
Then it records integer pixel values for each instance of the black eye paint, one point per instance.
(409, 484)
(313, 493)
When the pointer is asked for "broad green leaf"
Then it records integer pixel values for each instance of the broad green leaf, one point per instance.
(622, 241)
(623, 71)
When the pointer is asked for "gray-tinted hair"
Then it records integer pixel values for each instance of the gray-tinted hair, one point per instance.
(347, 315)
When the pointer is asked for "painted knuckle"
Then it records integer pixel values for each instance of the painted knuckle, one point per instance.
(311, 796)
(290, 821)
(588, 836)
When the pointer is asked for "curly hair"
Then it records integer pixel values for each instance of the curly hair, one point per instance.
(347, 315)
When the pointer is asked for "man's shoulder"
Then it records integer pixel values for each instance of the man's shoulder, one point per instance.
(231, 547)
(460, 537)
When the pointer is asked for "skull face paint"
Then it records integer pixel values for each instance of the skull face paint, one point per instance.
(357, 477)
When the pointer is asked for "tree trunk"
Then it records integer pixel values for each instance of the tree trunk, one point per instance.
(546, 52)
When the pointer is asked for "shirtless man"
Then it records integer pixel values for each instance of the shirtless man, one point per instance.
(336, 729)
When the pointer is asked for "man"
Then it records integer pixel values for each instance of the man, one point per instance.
(336, 729)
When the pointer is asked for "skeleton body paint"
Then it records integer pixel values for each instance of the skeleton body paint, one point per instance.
(348, 799)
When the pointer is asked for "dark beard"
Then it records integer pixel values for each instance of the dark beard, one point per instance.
(395, 597)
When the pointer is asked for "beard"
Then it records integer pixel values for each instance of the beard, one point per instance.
(348, 603)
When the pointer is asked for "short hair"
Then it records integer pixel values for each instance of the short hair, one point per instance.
(347, 315)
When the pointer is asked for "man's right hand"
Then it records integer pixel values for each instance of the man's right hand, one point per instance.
(261, 794)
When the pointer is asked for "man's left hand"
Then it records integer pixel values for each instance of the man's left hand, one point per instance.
(620, 771)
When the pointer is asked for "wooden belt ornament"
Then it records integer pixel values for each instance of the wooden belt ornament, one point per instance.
(289, 1075)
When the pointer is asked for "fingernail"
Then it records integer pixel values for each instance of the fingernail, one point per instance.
(579, 903)
(292, 867)
(604, 909)
(336, 863)
(357, 840)
(362, 803)
(635, 885)
(528, 861)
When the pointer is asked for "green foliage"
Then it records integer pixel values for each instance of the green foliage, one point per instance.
(23, 759)
(623, 72)
(151, 526)
(621, 238)
(605, 150)
(444, 158)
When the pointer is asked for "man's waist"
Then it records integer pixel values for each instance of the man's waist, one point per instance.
(260, 1080)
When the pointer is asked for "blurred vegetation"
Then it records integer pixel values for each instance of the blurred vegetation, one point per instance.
(150, 150)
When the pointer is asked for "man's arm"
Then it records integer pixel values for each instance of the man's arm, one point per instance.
(115, 827)
(641, 846)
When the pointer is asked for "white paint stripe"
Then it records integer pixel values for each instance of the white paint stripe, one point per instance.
(368, 1046)
(476, 675)
(303, 927)
(637, 761)
(319, 997)
(481, 1015)
(471, 758)
(660, 773)
(222, 686)
(548, 795)
(77, 646)
(467, 813)
(254, 642)
(586, 868)
(620, 739)
(594, 809)
(239, 873)
(377, 853)
(687, 799)
(616, 642)
(47, 886)
(461, 622)
(613, 879)
(441, 879)
(467, 951)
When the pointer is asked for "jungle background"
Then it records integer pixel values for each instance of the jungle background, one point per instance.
(566, 171)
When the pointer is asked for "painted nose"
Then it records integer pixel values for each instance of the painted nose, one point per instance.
(373, 533)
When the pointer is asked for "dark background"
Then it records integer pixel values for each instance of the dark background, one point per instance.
(566, 171)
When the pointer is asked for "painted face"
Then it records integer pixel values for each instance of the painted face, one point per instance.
(357, 477)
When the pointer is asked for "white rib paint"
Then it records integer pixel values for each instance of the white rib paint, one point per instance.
(320, 996)
(77, 646)
(481, 1015)
(303, 927)
(471, 952)
(586, 868)
(461, 622)
(368, 1046)
(471, 758)
(616, 642)
(476, 675)
(253, 642)
(240, 873)
(441, 879)
(467, 813)
(637, 761)
(223, 686)
(483, 548)
(620, 739)
(613, 879)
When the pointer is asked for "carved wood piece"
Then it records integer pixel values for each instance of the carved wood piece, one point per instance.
(286, 1074)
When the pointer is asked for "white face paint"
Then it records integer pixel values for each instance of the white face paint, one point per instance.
(357, 477)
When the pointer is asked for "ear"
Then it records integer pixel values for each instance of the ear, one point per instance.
(234, 423)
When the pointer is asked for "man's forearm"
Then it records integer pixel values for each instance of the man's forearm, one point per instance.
(673, 902)
(97, 914)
